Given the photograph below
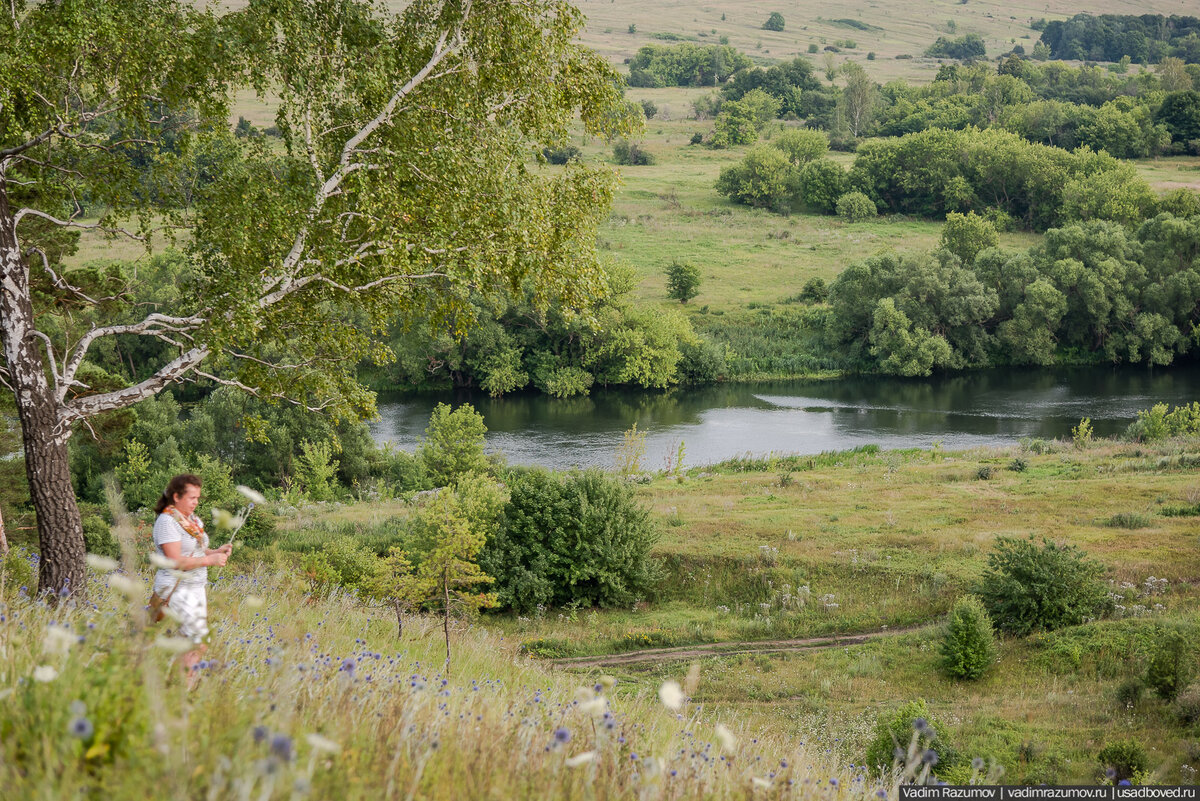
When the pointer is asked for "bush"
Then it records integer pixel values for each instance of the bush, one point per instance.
(802, 146)
(1129, 693)
(968, 644)
(97, 536)
(774, 22)
(1170, 665)
(815, 290)
(697, 138)
(965, 235)
(577, 538)
(701, 363)
(856, 207)
(1125, 758)
(649, 109)
(821, 183)
(453, 444)
(895, 732)
(631, 154)
(983, 472)
(1187, 705)
(561, 155)
(683, 281)
(1026, 588)
(341, 562)
(764, 178)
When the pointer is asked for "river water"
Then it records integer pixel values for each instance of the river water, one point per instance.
(993, 407)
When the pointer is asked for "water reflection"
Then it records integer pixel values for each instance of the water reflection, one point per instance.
(715, 423)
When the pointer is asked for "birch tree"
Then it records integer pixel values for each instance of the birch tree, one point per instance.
(407, 177)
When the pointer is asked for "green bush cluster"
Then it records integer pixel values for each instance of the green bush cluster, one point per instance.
(1146, 38)
(1123, 760)
(573, 538)
(685, 64)
(1027, 587)
(909, 727)
(1160, 422)
(968, 643)
(856, 207)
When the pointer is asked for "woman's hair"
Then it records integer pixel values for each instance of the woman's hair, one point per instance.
(176, 486)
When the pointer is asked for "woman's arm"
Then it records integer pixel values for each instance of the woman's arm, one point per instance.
(225, 549)
(173, 551)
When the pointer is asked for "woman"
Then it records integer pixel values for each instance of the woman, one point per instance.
(179, 535)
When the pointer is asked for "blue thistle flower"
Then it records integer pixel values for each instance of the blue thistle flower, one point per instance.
(562, 735)
(82, 728)
(281, 746)
(930, 757)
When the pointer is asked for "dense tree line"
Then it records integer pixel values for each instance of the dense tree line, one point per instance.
(685, 65)
(964, 48)
(1145, 39)
(1089, 292)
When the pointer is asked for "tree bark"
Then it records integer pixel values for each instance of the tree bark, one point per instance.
(3, 537)
(446, 614)
(44, 432)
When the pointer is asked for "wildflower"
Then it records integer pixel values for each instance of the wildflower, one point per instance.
(921, 725)
(221, 518)
(281, 746)
(82, 728)
(101, 563)
(254, 602)
(57, 641)
(78, 708)
(1124, 783)
(881, 793)
(977, 763)
(596, 707)
(130, 588)
(158, 560)
(930, 757)
(761, 782)
(260, 733)
(581, 759)
(251, 495)
(725, 737)
(671, 695)
(348, 665)
(1111, 773)
(323, 744)
(44, 673)
(833, 782)
(562, 735)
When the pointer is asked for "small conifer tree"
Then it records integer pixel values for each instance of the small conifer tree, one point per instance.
(968, 646)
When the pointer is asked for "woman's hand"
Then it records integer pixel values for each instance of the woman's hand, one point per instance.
(218, 558)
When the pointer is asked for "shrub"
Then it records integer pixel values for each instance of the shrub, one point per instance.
(1018, 465)
(812, 48)
(453, 444)
(683, 281)
(1125, 758)
(1026, 588)
(1187, 705)
(821, 183)
(1130, 520)
(701, 363)
(341, 562)
(774, 22)
(649, 109)
(561, 155)
(895, 732)
(856, 207)
(1129, 693)
(968, 644)
(764, 178)
(1169, 670)
(802, 146)
(1082, 434)
(965, 235)
(983, 472)
(97, 537)
(577, 538)
(1158, 423)
(815, 290)
(697, 138)
(631, 154)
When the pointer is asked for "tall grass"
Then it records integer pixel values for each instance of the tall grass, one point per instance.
(314, 697)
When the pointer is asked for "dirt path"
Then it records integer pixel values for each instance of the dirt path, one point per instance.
(728, 649)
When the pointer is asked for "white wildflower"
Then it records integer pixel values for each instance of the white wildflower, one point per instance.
(57, 641)
(595, 707)
(759, 782)
(101, 563)
(176, 645)
(251, 495)
(581, 759)
(584, 694)
(158, 560)
(221, 518)
(323, 744)
(671, 695)
(725, 737)
(253, 602)
(129, 587)
(44, 673)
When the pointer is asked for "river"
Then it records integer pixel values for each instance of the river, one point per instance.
(992, 407)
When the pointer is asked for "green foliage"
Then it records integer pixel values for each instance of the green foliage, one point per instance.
(898, 730)
(1171, 665)
(1082, 434)
(1129, 693)
(964, 47)
(763, 178)
(453, 444)
(1160, 422)
(577, 538)
(631, 154)
(1108, 37)
(561, 155)
(683, 281)
(814, 290)
(340, 562)
(315, 471)
(774, 22)
(856, 207)
(1027, 588)
(684, 64)
(965, 235)
(648, 108)
(631, 452)
(1187, 705)
(1126, 758)
(740, 121)
(968, 644)
(802, 145)
(821, 183)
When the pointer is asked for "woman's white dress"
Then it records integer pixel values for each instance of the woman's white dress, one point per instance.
(189, 600)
